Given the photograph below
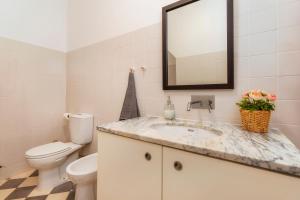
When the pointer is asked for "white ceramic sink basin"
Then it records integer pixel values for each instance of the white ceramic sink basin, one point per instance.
(181, 130)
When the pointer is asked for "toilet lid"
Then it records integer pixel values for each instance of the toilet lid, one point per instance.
(47, 150)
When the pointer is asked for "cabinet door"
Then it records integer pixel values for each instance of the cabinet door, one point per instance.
(128, 169)
(204, 178)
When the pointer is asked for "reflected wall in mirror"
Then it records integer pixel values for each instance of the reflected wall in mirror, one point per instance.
(198, 45)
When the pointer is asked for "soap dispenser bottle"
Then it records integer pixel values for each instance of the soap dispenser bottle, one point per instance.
(169, 112)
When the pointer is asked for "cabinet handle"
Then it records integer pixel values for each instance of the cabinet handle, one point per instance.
(148, 156)
(178, 165)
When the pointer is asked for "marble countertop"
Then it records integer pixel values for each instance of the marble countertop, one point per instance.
(272, 151)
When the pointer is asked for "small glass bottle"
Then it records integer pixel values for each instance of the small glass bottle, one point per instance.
(169, 111)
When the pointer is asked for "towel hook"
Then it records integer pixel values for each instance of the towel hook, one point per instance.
(132, 69)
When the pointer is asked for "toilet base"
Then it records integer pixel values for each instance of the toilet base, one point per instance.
(49, 178)
(85, 191)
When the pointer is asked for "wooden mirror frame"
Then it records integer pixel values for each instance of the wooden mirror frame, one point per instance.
(230, 49)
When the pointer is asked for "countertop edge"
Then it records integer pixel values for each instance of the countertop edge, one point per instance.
(266, 165)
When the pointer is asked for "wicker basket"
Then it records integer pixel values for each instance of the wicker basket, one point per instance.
(255, 121)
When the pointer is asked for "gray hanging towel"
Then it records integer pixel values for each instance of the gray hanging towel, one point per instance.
(130, 106)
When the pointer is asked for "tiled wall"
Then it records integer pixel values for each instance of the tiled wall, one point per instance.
(32, 101)
(267, 50)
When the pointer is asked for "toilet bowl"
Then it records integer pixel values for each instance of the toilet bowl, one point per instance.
(52, 159)
(83, 173)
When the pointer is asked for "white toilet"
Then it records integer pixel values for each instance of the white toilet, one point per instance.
(52, 159)
(83, 173)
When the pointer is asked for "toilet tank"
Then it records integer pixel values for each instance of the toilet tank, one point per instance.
(80, 127)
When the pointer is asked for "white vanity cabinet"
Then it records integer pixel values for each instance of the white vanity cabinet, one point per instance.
(197, 177)
(128, 169)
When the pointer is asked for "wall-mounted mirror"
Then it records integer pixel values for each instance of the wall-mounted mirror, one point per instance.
(198, 45)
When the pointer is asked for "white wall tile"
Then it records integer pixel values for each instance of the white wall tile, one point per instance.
(255, 5)
(292, 132)
(289, 63)
(227, 109)
(262, 43)
(262, 20)
(241, 46)
(288, 87)
(241, 25)
(242, 67)
(288, 112)
(288, 39)
(280, 2)
(288, 14)
(266, 84)
(241, 7)
(262, 65)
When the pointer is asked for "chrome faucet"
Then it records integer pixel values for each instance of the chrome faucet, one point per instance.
(190, 103)
(201, 102)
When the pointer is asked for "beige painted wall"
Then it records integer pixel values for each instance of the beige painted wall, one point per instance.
(32, 101)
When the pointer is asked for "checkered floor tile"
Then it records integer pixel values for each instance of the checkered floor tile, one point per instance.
(23, 187)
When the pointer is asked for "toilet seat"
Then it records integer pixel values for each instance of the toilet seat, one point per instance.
(47, 150)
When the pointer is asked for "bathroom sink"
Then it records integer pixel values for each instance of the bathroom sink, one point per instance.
(178, 129)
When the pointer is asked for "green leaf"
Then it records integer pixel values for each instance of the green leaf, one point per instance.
(253, 105)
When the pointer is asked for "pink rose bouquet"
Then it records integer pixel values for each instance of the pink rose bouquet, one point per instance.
(257, 100)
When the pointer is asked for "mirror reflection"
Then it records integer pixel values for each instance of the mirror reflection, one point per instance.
(197, 43)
